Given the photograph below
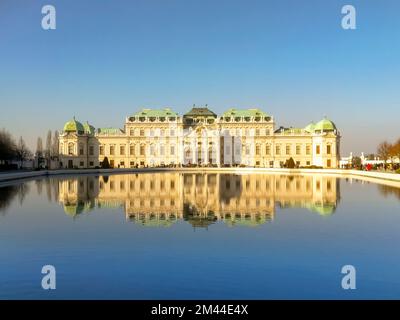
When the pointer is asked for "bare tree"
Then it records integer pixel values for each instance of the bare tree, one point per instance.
(39, 147)
(396, 149)
(384, 151)
(55, 145)
(7, 146)
(22, 152)
(48, 147)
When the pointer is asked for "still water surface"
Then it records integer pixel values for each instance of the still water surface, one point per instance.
(199, 236)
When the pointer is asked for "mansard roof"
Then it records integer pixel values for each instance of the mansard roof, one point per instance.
(165, 112)
(109, 131)
(200, 112)
(253, 112)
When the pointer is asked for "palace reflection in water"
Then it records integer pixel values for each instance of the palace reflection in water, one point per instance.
(160, 199)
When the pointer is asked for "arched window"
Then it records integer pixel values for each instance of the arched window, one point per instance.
(188, 153)
(70, 148)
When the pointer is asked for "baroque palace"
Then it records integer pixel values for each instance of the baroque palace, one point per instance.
(238, 137)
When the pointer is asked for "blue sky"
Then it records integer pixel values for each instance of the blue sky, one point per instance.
(107, 59)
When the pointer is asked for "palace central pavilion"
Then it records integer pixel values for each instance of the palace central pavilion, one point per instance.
(238, 137)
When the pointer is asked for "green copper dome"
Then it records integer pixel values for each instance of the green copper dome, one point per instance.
(310, 127)
(89, 129)
(325, 125)
(74, 126)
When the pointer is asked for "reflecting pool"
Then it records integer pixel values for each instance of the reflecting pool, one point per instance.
(199, 236)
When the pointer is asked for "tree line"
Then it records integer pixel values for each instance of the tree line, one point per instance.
(12, 150)
(50, 151)
(389, 151)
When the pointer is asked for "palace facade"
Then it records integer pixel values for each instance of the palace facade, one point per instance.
(238, 137)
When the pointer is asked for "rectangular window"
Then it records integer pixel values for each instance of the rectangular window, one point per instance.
(287, 149)
(122, 163)
(81, 164)
(132, 132)
(91, 150)
(142, 132)
(162, 150)
(258, 150)
(298, 163)
(132, 150)
(271, 164)
(267, 132)
(122, 150)
(308, 163)
(142, 150)
(298, 149)
(172, 150)
(112, 163)
(328, 149)
(81, 150)
(172, 132)
(267, 149)
(278, 150)
(318, 150)
(112, 148)
(308, 149)
(328, 163)
(91, 163)
(101, 151)
(132, 164)
(257, 132)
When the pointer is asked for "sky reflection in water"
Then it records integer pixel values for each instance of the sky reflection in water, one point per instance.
(206, 236)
